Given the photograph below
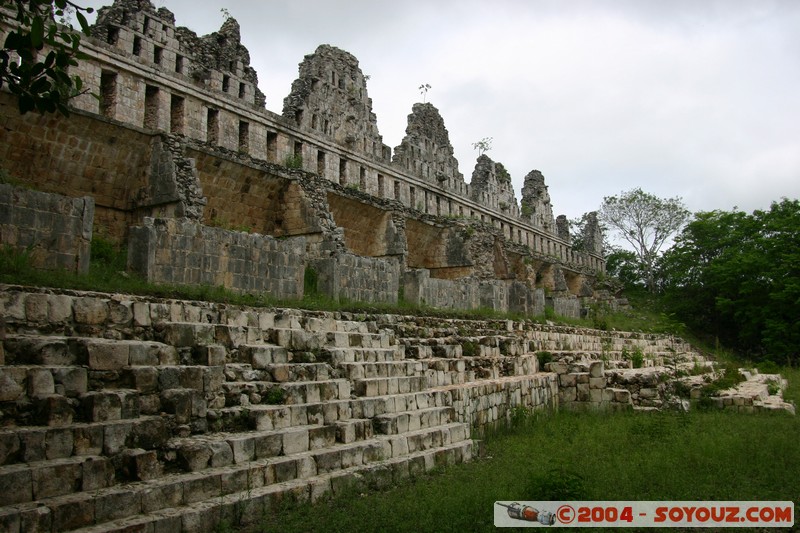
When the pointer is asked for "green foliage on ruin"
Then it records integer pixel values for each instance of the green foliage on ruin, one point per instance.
(39, 51)
(294, 161)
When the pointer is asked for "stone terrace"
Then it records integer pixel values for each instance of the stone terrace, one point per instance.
(122, 413)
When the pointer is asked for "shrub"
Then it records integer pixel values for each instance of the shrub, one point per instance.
(469, 348)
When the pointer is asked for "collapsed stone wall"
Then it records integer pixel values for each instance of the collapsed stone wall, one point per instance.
(55, 231)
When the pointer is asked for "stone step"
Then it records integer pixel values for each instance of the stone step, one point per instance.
(260, 356)
(196, 334)
(364, 355)
(244, 507)
(301, 392)
(441, 372)
(265, 417)
(355, 429)
(298, 339)
(28, 482)
(405, 421)
(280, 372)
(383, 369)
(393, 385)
(94, 353)
(93, 508)
(217, 450)
(247, 393)
(19, 381)
(369, 407)
(32, 444)
(106, 405)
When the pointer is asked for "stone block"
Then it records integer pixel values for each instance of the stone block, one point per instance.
(141, 314)
(59, 443)
(648, 393)
(36, 308)
(194, 456)
(141, 465)
(622, 396)
(97, 473)
(143, 378)
(162, 494)
(102, 406)
(120, 312)
(213, 378)
(211, 355)
(59, 308)
(12, 383)
(295, 441)
(87, 440)
(185, 404)
(597, 383)
(32, 447)
(117, 504)
(17, 485)
(567, 380)
(596, 369)
(72, 513)
(329, 461)
(595, 395)
(54, 410)
(73, 381)
(243, 448)
(143, 354)
(90, 311)
(115, 437)
(221, 453)
(56, 478)
(181, 377)
(321, 437)
(9, 447)
(268, 445)
(286, 469)
(108, 355)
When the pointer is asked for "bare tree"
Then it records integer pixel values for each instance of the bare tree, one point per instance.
(645, 222)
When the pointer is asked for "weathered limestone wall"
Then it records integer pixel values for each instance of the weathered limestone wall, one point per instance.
(79, 156)
(491, 401)
(471, 293)
(568, 306)
(363, 279)
(55, 230)
(368, 230)
(185, 252)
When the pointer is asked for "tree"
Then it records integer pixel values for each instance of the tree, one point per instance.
(484, 145)
(38, 51)
(423, 90)
(737, 277)
(645, 222)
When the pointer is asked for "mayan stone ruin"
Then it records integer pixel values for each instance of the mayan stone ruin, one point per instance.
(128, 413)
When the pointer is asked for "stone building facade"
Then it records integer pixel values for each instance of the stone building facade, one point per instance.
(180, 131)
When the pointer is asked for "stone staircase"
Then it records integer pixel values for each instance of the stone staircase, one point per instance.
(120, 413)
(126, 414)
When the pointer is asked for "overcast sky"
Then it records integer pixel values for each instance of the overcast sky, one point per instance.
(692, 98)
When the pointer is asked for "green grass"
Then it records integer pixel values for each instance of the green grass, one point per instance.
(570, 456)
